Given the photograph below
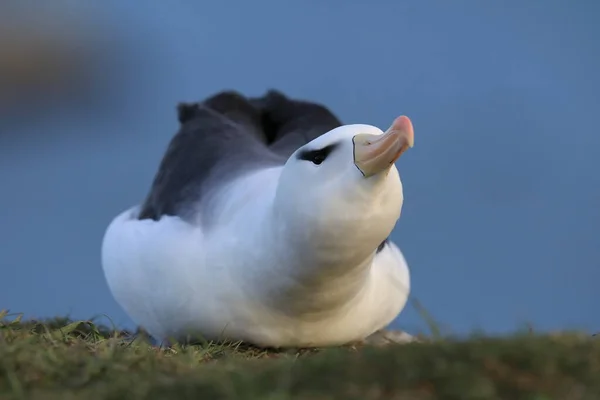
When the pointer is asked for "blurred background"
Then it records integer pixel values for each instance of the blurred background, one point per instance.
(502, 213)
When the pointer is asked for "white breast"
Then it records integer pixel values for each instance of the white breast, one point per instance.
(173, 278)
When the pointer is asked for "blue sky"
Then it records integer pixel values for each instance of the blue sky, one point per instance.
(501, 218)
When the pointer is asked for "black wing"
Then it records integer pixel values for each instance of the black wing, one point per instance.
(290, 124)
(225, 136)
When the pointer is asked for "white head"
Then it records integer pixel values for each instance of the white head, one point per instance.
(345, 187)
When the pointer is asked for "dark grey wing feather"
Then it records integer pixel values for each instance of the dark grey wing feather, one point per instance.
(290, 124)
(225, 136)
(218, 140)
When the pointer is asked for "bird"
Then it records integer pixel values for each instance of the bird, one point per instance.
(267, 222)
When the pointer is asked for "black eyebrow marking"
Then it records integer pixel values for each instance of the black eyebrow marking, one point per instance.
(312, 155)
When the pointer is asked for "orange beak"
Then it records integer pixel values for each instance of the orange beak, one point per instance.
(376, 153)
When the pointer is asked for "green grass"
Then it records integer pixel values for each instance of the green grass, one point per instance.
(62, 360)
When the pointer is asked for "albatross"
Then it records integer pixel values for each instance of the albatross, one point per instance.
(267, 222)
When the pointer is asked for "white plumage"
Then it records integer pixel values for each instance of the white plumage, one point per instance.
(289, 259)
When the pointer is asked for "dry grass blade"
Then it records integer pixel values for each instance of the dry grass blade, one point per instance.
(61, 359)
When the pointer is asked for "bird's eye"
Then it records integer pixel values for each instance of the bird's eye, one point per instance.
(316, 156)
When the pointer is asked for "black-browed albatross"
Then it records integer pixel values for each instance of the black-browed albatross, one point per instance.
(267, 222)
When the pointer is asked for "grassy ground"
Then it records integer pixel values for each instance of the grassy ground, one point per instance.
(62, 360)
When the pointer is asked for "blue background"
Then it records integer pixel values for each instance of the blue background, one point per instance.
(502, 213)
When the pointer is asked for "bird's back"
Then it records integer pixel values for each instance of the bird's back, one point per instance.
(224, 137)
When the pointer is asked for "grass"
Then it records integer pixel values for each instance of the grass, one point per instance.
(60, 359)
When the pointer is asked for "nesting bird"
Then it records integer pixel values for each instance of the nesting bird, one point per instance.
(267, 222)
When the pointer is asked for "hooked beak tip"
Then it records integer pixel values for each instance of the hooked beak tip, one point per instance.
(404, 124)
(377, 153)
